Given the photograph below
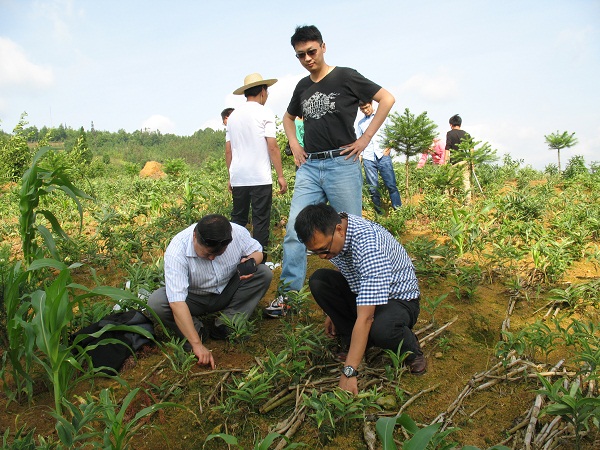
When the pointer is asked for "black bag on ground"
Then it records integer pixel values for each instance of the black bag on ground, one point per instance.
(114, 353)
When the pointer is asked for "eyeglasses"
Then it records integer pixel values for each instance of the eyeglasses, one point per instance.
(312, 52)
(323, 252)
(213, 242)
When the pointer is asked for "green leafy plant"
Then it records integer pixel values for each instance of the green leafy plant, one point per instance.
(181, 360)
(571, 405)
(397, 359)
(263, 444)
(37, 183)
(339, 406)
(558, 141)
(240, 327)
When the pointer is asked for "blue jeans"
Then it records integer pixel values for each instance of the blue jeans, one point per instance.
(336, 180)
(382, 166)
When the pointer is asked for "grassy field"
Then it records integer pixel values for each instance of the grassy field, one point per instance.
(509, 319)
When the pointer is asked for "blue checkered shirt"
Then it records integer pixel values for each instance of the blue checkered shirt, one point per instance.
(375, 264)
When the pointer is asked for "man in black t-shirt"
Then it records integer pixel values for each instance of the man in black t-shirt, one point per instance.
(328, 164)
(453, 139)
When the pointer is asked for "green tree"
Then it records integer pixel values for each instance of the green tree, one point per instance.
(409, 134)
(15, 155)
(474, 154)
(557, 141)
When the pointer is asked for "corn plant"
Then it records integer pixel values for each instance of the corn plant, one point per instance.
(24, 441)
(17, 359)
(80, 426)
(37, 183)
(571, 405)
(48, 325)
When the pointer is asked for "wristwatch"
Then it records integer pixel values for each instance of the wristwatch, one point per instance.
(350, 371)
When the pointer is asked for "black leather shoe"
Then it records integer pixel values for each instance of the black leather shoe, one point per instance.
(417, 366)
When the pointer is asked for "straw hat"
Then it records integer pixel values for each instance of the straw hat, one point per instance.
(254, 79)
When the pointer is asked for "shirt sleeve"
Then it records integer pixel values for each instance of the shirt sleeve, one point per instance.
(176, 277)
(363, 88)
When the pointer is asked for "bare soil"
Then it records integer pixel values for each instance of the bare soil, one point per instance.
(463, 350)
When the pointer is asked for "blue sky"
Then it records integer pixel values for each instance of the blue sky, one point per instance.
(514, 70)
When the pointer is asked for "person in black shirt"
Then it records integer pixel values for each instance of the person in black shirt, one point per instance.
(328, 164)
(453, 139)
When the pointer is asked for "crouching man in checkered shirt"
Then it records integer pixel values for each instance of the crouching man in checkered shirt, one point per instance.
(373, 300)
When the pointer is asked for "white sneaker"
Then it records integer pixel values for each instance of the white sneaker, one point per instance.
(277, 308)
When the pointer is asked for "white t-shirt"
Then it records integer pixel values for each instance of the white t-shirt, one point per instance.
(247, 129)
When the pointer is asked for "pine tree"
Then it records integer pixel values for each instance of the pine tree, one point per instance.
(409, 135)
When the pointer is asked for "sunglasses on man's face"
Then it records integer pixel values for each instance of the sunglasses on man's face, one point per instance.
(312, 52)
(213, 242)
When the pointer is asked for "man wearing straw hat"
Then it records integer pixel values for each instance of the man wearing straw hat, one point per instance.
(250, 148)
(328, 164)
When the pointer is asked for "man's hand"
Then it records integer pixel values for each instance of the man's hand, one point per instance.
(229, 188)
(204, 356)
(329, 327)
(349, 384)
(356, 147)
(387, 152)
(299, 154)
(283, 187)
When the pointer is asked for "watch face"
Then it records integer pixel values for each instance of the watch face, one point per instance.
(349, 371)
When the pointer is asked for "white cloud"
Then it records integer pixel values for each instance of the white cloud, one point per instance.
(438, 88)
(17, 70)
(160, 123)
(59, 13)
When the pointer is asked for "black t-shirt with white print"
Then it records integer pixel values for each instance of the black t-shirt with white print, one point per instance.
(329, 107)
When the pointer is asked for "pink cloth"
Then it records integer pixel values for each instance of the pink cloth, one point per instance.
(437, 152)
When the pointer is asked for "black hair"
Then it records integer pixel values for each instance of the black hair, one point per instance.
(306, 33)
(254, 90)
(226, 113)
(455, 121)
(320, 217)
(362, 103)
(214, 230)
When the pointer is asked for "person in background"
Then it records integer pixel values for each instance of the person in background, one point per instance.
(377, 162)
(225, 115)
(437, 152)
(250, 149)
(453, 139)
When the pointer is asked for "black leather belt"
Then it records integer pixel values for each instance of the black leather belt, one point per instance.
(326, 154)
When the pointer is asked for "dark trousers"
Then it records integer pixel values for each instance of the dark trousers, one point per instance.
(237, 297)
(260, 198)
(393, 322)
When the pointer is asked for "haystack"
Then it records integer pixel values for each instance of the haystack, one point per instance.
(152, 169)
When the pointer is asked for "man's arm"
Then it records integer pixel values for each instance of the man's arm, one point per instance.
(385, 102)
(228, 162)
(290, 131)
(275, 155)
(358, 344)
(183, 319)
